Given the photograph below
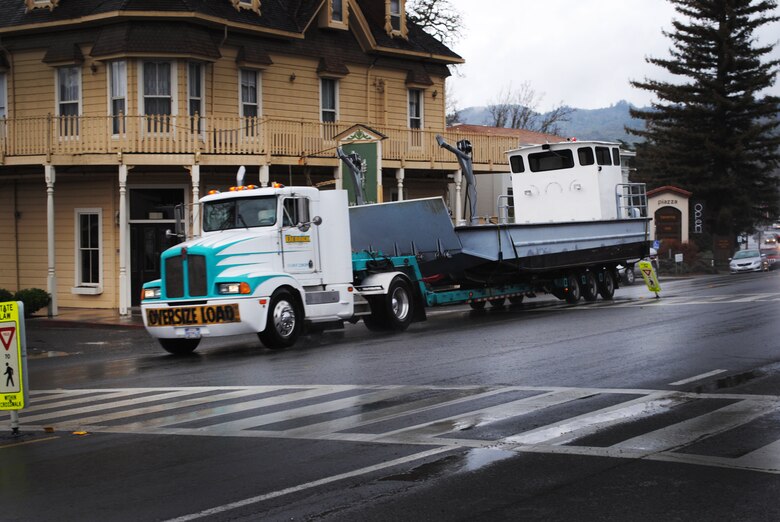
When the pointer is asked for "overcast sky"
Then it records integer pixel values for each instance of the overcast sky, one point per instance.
(579, 52)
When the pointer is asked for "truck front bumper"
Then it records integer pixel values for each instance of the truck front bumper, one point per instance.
(212, 318)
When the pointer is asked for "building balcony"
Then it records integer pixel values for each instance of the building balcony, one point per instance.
(184, 140)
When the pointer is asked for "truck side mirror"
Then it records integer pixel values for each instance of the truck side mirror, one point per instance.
(178, 212)
(316, 221)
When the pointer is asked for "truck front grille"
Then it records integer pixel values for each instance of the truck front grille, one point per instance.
(197, 284)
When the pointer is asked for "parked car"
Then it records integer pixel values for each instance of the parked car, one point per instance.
(628, 273)
(748, 261)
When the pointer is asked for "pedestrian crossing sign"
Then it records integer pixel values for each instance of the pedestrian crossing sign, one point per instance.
(13, 357)
(648, 274)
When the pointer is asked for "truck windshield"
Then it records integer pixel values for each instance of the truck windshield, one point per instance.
(239, 213)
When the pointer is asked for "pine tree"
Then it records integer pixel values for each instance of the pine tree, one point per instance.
(712, 132)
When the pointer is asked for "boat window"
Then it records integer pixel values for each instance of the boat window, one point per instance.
(516, 163)
(551, 160)
(615, 156)
(602, 156)
(585, 155)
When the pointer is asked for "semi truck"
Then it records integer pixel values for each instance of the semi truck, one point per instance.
(278, 260)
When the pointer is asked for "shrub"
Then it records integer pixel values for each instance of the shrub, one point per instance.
(5, 295)
(33, 298)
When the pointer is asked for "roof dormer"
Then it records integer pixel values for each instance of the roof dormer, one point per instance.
(41, 4)
(251, 5)
(335, 14)
(395, 18)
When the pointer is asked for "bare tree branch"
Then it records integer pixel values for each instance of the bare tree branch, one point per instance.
(436, 17)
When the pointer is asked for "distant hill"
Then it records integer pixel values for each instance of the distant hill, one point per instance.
(584, 124)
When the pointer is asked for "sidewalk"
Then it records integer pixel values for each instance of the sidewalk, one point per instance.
(81, 318)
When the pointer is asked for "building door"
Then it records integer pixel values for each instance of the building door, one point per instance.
(151, 214)
(668, 223)
(147, 242)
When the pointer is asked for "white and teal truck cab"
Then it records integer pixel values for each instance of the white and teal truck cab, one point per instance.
(261, 265)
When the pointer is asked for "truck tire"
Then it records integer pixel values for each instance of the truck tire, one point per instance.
(574, 292)
(516, 300)
(285, 319)
(589, 289)
(607, 285)
(497, 303)
(179, 346)
(393, 310)
(477, 305)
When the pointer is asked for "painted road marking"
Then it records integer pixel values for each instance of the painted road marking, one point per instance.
(696, 377)
(421, 415)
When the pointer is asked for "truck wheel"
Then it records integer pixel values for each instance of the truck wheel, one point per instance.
(516, 300)
(477, 305)
(179, 346)
(590, 291)
(607, 285)
(283, 326)
(497, 303)
(392, 311)
(574, 293)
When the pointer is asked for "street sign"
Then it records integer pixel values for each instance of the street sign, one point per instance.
(13, 357)
(648, 274)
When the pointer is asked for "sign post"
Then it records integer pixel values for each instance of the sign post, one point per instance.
(648, 274)
(13, 360)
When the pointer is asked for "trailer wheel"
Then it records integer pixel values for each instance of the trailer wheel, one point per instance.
(283, 326)
(574, 293)
(392, 311)
(590, 290)
(497, 303)
(607, 285)
(179, 346)
(477, 305)
(516, 300)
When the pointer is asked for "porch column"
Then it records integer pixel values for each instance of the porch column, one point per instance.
(337, 176)
(51, 274)
(124, 247)
(399, 177)
(459, 198)
(195, 174)
(265, 175)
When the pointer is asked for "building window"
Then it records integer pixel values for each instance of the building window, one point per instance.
(337, 10)
(250, 99)
(117, 72)
(68, 99)
(3, 95)
(158, 98)
(328, 99)
(415, 109)
(395, 15)
(89, 238)
(195, 81)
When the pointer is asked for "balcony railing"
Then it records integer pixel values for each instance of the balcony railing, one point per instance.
(165, 134)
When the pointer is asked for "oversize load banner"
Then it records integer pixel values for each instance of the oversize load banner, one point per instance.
(193, 315)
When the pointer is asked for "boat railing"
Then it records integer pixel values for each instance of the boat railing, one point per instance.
(505, 209)
(631, 200)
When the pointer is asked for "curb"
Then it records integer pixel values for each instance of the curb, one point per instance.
(45, 322)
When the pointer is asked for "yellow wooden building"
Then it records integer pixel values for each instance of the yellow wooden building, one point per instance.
(114, 111)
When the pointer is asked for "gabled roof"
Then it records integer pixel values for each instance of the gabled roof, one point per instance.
(669, 188)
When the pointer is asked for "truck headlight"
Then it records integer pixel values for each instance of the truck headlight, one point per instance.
(150, 293)
(233, 288)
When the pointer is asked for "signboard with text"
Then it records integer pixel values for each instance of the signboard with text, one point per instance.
(13, 357)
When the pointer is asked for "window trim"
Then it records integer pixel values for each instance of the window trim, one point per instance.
(401, 16)
(109, 83)
(202, 81)
(336, 90)
(259, 86)
(4, 94)
(174, 86)
(420, 108)
(79, 286)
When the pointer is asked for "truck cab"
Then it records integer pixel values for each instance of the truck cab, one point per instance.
(267, 258)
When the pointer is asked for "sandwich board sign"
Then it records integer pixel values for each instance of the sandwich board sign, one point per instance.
(13, 356)
(648, 273)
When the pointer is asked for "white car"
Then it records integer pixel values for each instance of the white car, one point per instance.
(748, 261)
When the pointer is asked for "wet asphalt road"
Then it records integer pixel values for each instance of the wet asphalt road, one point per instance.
(639, 409)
